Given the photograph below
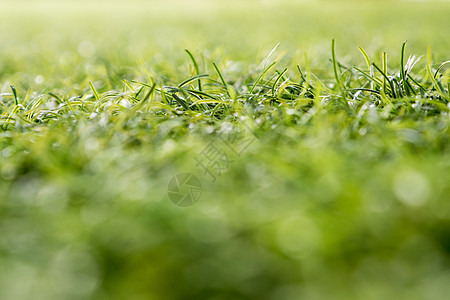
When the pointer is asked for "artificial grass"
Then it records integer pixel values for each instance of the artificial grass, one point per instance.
(342, 193)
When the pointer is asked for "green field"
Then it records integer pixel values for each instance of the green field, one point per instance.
(317, 139)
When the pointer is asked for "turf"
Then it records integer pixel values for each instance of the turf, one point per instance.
(319, 137)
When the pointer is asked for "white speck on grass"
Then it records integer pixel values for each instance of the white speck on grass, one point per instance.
(51, 104)
(86, 49)
(125, 103)
(169, 146)
(290, 111)
(210, 129)
(39, 79)
(411, 188)
(7, 152)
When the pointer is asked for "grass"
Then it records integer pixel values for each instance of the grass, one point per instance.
(342, 192)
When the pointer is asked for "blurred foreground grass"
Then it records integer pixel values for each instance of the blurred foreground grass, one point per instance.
(344, 193)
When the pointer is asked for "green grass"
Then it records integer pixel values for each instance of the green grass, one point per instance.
(343, 192)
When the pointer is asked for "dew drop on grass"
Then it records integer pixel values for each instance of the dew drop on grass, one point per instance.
(39, 79)
(125, 103)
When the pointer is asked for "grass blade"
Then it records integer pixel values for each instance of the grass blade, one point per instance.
(192, 79)
(335, 64)
(402, 70)
(221, 78)
(261, 76)
(386, 79)
(436, 85)
(366, 57)
(16, 100)
(220, 75)
(180, 101)
(369, 65)
(270, 54)
(440, 67)
(94, 91)
(197, 72)
(276, 81)
(370, 77)
(384, 72)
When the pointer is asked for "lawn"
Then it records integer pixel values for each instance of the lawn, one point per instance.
(211, 150)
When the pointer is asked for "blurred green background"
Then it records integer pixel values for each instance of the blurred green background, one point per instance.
(336, 206)
(61, 37)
